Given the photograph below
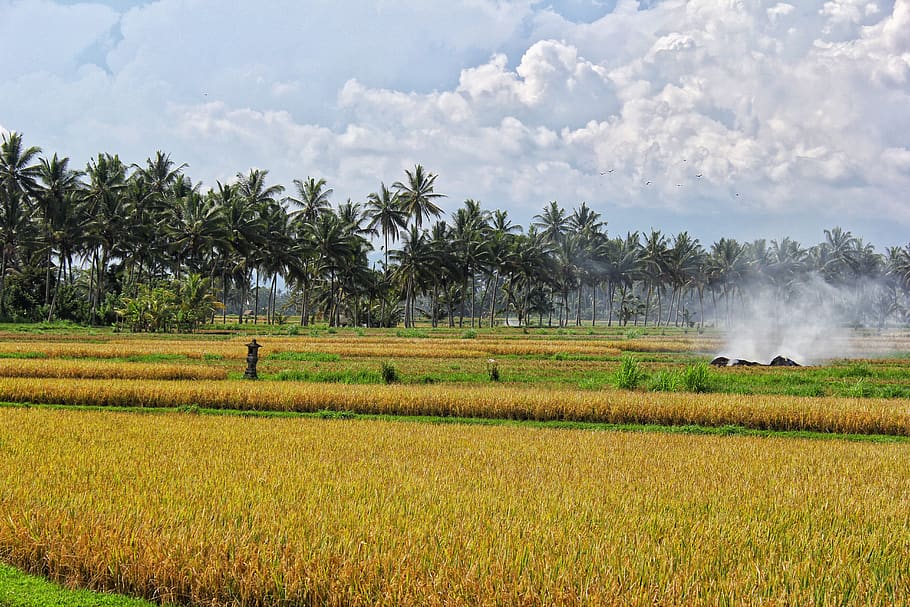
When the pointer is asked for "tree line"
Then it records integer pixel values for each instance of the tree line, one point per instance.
(117, 240)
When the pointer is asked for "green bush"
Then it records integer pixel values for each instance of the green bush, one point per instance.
(629, 374)
(469, 334)
(389, 373)
(696, 378)
(493, 370)
(665, 381)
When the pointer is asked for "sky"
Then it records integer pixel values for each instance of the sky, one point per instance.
(743, 119)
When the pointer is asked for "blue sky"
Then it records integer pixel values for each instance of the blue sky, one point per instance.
(749, 119)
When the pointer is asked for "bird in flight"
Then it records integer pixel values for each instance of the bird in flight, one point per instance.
(648, 182)
(700, 175)
(605, 172)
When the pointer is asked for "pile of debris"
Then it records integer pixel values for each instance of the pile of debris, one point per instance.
(777, 361)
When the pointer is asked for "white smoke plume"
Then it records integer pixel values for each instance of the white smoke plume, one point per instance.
(810, 324)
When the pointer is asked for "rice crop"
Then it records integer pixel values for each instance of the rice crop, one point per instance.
(825, 414)
(242, 511)
(102, 369)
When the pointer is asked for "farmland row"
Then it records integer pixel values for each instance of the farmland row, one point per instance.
(825, 414)
(224, 511)
(103, 369)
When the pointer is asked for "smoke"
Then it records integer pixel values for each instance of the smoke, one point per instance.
(811, 322)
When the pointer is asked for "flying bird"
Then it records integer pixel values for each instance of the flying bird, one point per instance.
(700, 175)
(605, 172)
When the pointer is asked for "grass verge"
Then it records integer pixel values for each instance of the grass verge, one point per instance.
(18, 589)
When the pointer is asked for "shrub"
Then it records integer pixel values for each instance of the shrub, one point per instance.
(469, 334)
(665, 381)
(696, 378)
(629, 374)
(389, 373)
(493, 370)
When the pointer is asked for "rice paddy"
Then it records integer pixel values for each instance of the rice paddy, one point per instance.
(232, 510)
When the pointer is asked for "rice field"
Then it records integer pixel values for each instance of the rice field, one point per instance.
(243, 511)
(191, 509)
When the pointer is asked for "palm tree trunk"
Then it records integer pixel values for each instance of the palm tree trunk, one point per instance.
(611, 295)
(224, 295)
(493, 299)
(648, 302)
(578, 305)
(473, 292)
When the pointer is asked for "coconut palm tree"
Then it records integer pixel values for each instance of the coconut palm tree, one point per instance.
(654, 268)
(499, 238)
(388, 215)
(469, 226)
(106, 207)
(19, 174)
(417, 195)
(54, 201)
(333, 243)
(683, 261)
(312, 198)
(552, 222)
(415, 262)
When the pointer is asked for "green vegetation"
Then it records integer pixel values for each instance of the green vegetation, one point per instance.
(629, 375)
(361, 376)
(18, 589)
(322, 357)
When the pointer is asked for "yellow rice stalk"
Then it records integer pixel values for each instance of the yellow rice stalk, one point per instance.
(100, 369)
(234, 511)
(842, 415)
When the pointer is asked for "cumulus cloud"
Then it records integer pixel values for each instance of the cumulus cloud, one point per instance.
(792, 110)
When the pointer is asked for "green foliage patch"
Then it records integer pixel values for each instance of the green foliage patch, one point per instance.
(320, 357)
(18, 589)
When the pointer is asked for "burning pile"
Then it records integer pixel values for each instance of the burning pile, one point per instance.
(777, 361)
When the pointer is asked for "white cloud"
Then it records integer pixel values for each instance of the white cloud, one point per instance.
(794, 110)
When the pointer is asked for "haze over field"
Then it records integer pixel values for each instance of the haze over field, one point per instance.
(741, 119)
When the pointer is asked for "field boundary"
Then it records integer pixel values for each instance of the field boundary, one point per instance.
(328, 414)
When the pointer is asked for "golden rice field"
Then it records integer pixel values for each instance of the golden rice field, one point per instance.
(542, 377)
(208, 510)
(841, 415)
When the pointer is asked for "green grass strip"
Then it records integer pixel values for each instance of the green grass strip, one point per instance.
(728, 430)
(18, 589)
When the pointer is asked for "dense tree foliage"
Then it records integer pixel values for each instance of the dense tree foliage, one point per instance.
(141, 244)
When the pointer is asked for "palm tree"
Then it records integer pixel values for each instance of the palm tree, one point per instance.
(586, 225)
(332, 243)
(836, 255)
(54, 202)
(654, 266)
(728, 263)
(195, 228)
(417, 195)
(683, 258)
(388, 215)
(499, 238)
(552, 222)
(18, 185)
(470, 224)
(414, 262)
(106, 207)
(259, 197)
(312, 198)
